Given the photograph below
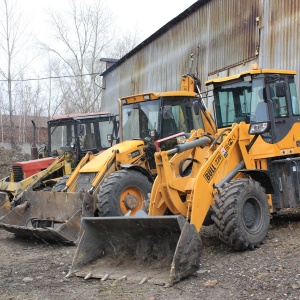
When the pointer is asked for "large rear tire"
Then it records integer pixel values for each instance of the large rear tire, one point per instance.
(123, 191)
(241, 214)
(61, 183)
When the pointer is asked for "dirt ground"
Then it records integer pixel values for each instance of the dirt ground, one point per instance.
(36, 270)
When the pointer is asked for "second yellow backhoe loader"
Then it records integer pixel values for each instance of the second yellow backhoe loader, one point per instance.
(236, 180)
(69, 141)
(117, 181)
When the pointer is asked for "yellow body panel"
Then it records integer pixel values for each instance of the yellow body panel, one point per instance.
(123, 151)
(286, 146)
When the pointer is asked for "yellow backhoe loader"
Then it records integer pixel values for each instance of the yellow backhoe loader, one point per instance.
(117, 181)
(237, 180)
(68, 142)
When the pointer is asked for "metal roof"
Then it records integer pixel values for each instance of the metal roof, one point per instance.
(157, 34)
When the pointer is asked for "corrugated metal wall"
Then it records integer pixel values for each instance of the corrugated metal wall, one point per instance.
(280, 40)
(224, 37)
(232, 33)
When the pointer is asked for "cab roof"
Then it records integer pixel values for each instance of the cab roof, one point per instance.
(153, 96)
(80, 116)
(251, 72)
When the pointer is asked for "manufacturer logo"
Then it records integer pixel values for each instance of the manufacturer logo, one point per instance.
(135, 153)
(213, 167)
(219, 157)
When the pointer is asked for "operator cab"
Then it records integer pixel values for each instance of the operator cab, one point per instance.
(257, 97)
(156, 116)
(80, 133)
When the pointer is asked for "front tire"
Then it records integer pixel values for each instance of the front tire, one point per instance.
(241, 214)
(123, 191)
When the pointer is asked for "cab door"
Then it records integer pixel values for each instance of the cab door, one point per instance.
(282, 113)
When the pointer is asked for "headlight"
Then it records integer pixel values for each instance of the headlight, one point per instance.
(181, 139)
(259, 128)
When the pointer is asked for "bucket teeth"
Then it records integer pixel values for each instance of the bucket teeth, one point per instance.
(106, 276)
(159, 250)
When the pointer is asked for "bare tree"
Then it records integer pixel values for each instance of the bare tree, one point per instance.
(53, 87)
(124, 44)
(12, 31)
(1, 116)
(79, 43)
(31, 105)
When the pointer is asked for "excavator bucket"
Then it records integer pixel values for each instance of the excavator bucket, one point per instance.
(47, 216)
(4, 204)
(161, 250)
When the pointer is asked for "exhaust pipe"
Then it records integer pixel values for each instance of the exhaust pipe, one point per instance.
(34, 150)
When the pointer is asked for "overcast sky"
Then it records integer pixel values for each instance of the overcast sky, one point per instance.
(134, 16)
(147, 16)
(130, 15)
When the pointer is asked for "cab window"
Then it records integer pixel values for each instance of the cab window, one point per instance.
(294, 98)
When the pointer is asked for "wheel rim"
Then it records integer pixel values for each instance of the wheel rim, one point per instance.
(252, 215)
(131, 199)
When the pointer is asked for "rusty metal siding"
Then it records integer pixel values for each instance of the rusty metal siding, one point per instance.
(280, 35)
(212, 38)
(232, 33)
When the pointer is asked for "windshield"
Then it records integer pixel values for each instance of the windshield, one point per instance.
(259, 109)
(89, 135)
(240, 101)
(139, 118)
(62, 136)
(176, 115)
(232, 103)
(294, 98)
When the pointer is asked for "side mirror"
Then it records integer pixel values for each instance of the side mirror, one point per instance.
(196, 107)
(280, 89)
(110, 138)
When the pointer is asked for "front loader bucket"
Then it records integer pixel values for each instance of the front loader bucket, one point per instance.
(4, 204)
(161, 250)
(46, 215)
